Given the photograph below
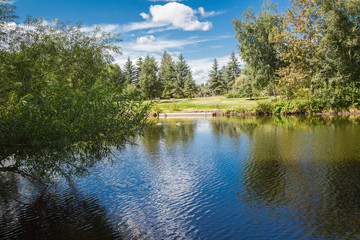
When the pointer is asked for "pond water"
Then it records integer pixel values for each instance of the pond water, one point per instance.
(217, 178)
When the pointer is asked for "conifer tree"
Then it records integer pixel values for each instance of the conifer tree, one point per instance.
(216, 83)
(148, 81)
(182, 70)
(232, 71)
(138, 65)
(167, 74)
(129, 72)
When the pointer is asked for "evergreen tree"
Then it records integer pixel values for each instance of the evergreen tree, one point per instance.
(139, 63)
(149, 82)
(216, 83)
(129, 72)
(182, 70)
(167, 74)
(232, 71)
(190, 86)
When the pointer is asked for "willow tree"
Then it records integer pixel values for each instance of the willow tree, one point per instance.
(256, 49)
(59, 100)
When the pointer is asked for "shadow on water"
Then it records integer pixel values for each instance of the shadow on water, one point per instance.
(54, 214)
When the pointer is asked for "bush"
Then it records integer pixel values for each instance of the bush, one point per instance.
(264, 107)
(173, 107)
(240, 109)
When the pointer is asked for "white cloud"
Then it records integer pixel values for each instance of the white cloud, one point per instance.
(145, 39)
(172, 15)
(145, 16)
(151, 44)
(205, 14)
(179, 16)
(201, 68)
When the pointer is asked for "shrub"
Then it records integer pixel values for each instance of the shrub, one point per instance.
(264, 107)
(173, 107)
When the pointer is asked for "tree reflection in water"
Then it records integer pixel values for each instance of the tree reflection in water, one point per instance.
(308, 165)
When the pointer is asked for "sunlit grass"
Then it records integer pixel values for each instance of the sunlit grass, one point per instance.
(204, 104)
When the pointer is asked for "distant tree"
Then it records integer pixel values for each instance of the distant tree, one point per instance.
(255, 45)
(182, 71)
(116, 77)
(190, 86)
(167, 75)
(232, 71)
(203, 90)
(216, 82)
(138, 65)
(129, 72)
(149, 82)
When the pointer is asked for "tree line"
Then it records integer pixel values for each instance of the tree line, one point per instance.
(312, 51)
(174, 79)
(170, 79)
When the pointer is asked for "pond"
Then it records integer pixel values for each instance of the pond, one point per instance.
(216, 178)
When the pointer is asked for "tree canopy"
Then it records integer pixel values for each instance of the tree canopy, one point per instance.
(61, 98)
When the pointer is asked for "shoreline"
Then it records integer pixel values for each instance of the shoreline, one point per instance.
(224, 113)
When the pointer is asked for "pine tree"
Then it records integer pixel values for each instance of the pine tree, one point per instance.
(148, 81)
(167, 75)
(138, 65)
(190, 86)
(216, 83)
(232, 71)
(182, 70)
(129, 72)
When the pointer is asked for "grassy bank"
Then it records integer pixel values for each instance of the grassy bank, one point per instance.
(244, 106)
(203, 104)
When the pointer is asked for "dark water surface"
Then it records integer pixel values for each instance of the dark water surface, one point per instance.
(237, 178)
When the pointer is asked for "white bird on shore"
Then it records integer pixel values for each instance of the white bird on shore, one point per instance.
(178, 124)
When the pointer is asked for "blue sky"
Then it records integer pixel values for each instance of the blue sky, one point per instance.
(199, 29)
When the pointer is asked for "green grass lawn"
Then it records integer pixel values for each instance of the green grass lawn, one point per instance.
(204, 104)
